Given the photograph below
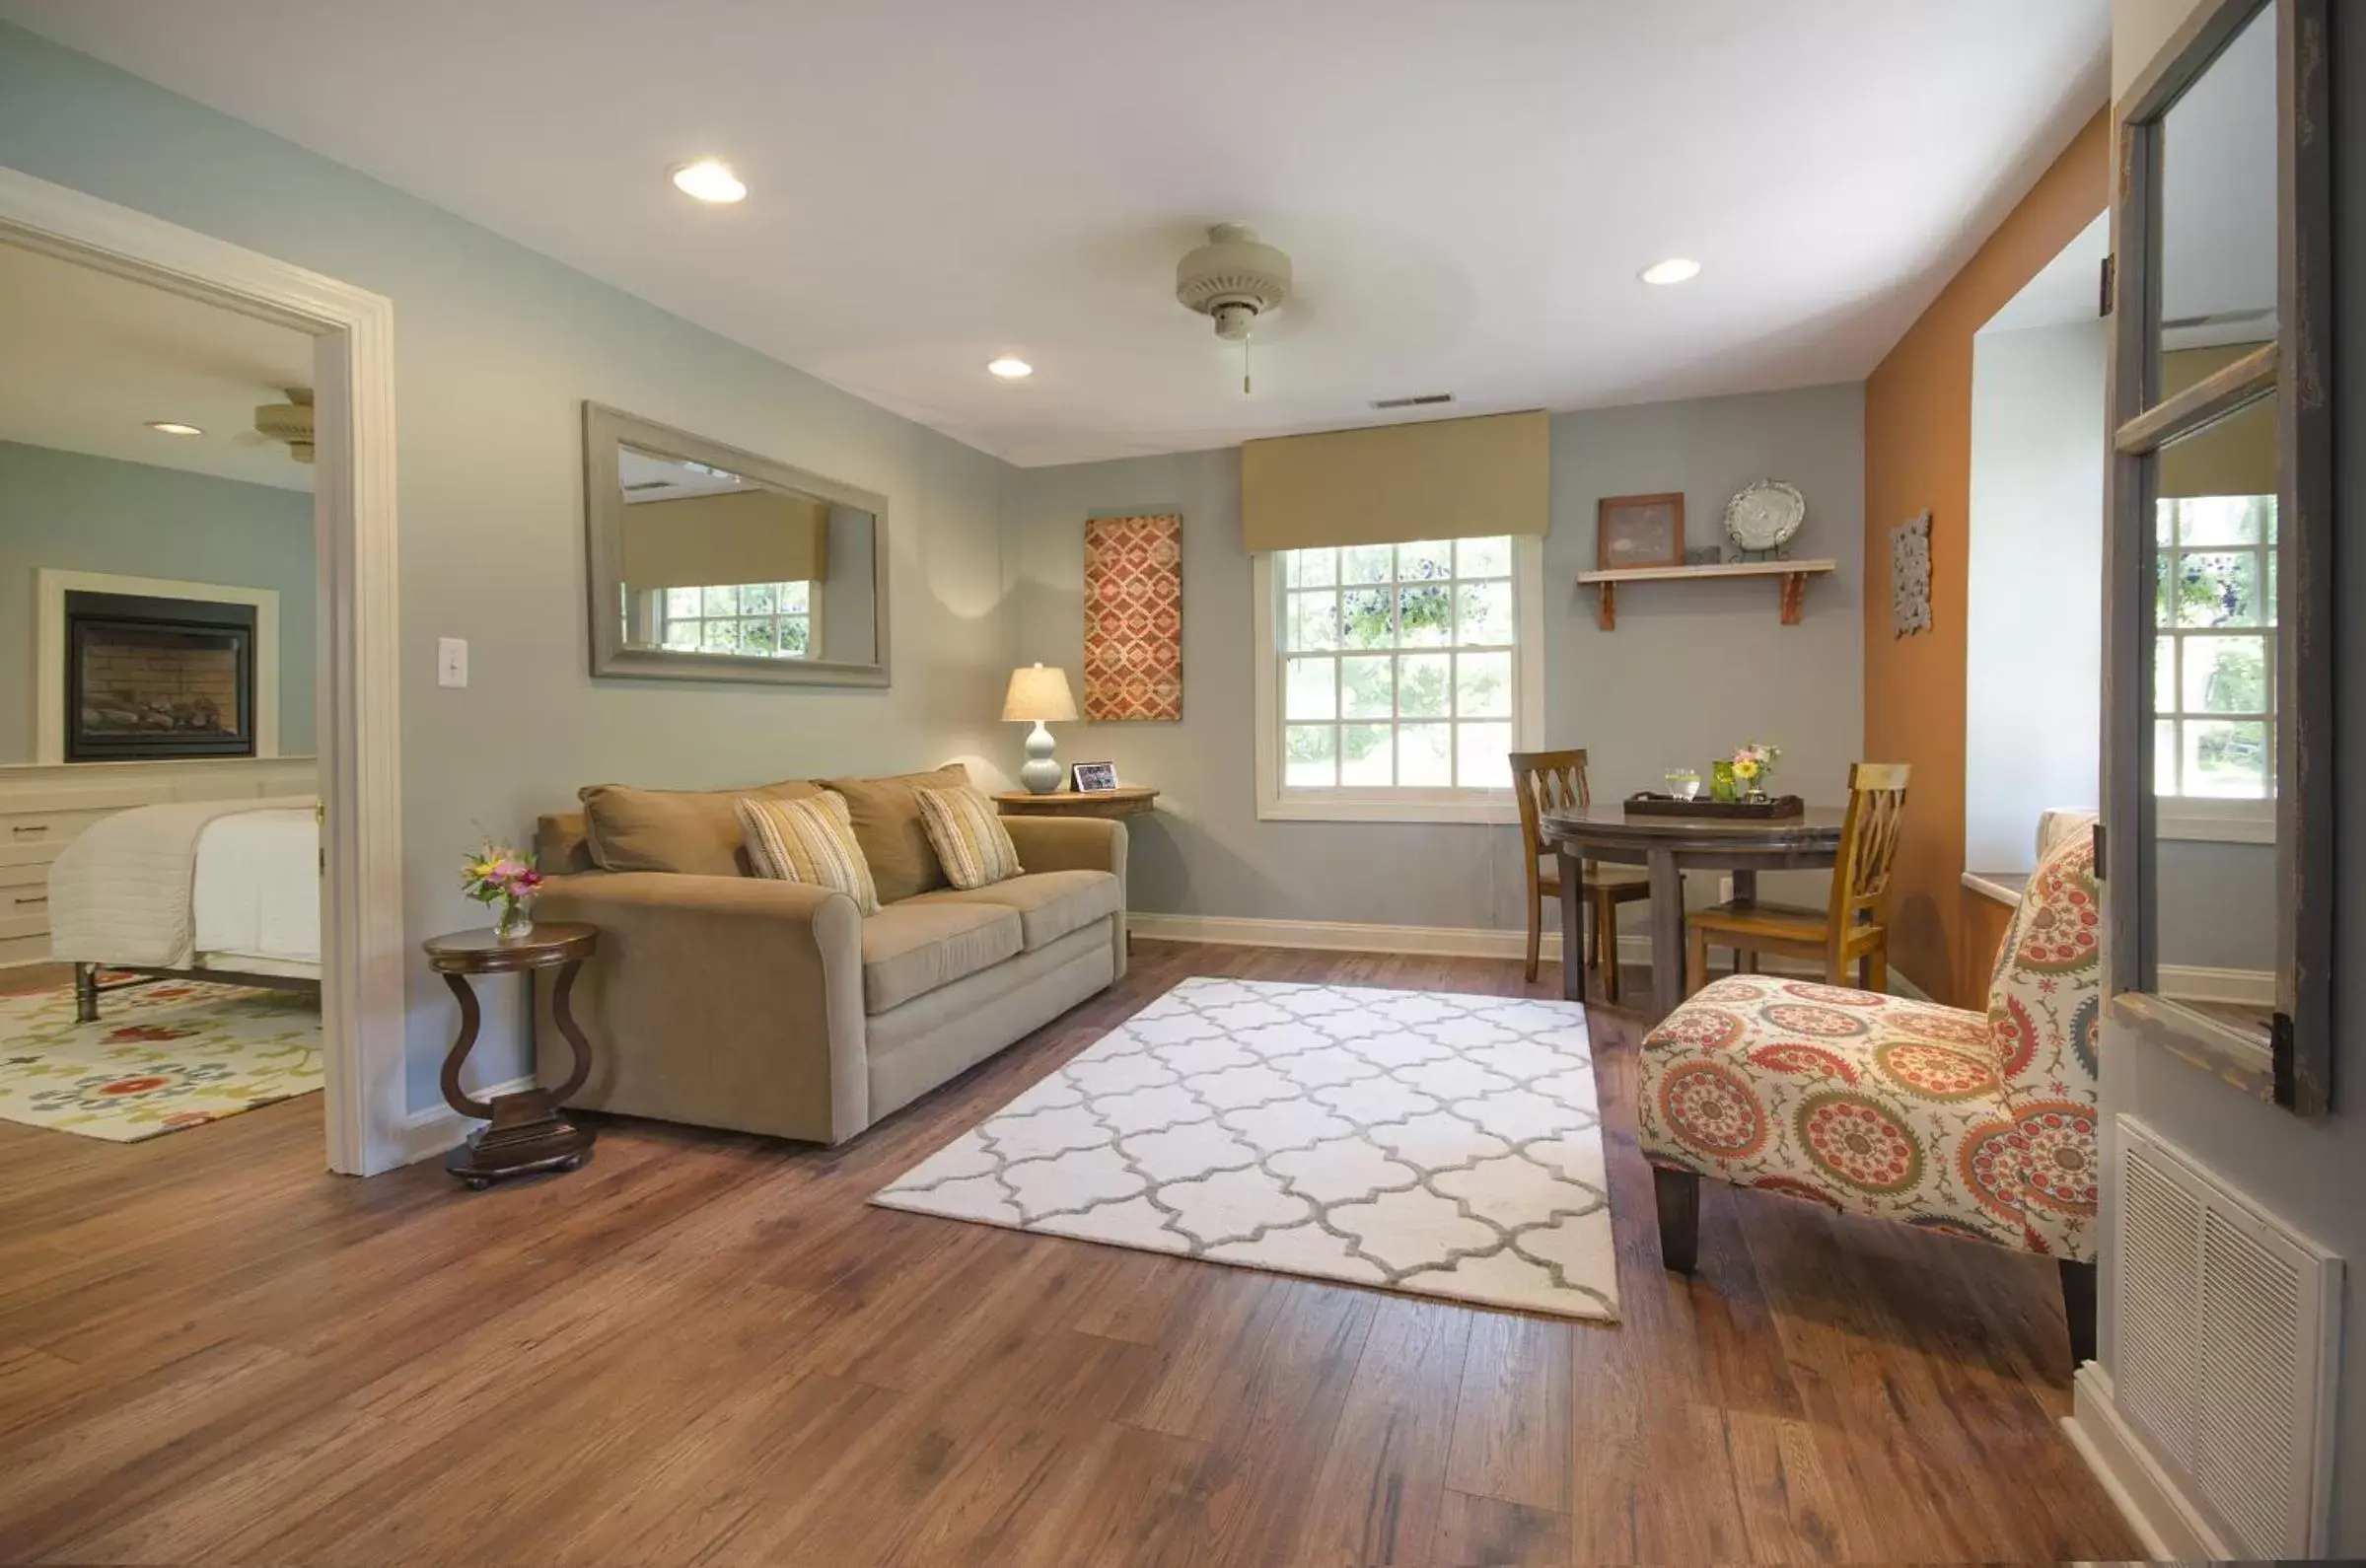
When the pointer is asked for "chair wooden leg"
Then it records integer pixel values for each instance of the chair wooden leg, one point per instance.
(1873, 969)
(1605, 945)
(1535, 935)
(2078, 1305)
(1696, 960)
(1676, 1194)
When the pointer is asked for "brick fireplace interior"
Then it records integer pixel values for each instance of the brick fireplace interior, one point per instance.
(158, 678)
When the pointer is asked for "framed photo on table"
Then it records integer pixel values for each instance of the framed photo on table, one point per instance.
(1639, 531)
(1093, 778)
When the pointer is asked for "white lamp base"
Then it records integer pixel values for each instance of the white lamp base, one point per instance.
(1041, 775)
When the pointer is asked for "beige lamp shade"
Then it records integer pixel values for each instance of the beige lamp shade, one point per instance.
(1039, 695)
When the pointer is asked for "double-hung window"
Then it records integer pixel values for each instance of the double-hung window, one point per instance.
(762, 620)
(1394, 680)
(2214, 662)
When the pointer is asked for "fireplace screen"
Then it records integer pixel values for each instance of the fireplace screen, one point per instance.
(158, 678)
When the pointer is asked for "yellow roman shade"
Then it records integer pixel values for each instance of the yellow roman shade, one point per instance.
(2237, 456)
(1447, 479)
(735, 537)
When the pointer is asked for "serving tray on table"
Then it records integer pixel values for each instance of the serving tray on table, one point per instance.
(1777, 808)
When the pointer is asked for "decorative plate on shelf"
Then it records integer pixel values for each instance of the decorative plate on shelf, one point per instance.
(1764, 516)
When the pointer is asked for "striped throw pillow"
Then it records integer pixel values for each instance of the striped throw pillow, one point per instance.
(809, 840)
(970, 842)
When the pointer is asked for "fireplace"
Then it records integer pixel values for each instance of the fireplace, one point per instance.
(150, 677)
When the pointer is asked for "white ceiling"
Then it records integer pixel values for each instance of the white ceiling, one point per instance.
(91, 358)
(1467, 189)
(2067, 290)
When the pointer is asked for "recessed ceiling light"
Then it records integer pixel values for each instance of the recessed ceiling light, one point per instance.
(173, 427)
(1009, 368)
(1675, 269)
(709, 180)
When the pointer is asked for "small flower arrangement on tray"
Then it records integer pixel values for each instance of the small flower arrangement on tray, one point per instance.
(1754, 764)
(499, 874)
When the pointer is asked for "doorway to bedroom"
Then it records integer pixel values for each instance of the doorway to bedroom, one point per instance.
(160, 861)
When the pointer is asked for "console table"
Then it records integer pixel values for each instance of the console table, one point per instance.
(1124, 801)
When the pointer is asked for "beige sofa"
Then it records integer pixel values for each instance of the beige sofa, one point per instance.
(725, 1000)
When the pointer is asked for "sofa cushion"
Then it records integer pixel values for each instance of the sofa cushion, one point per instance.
(1871, 1104)
(808, 842)
(887, 824)
(695, 833)
(972, 846)
(910, 949)
(1049, 903)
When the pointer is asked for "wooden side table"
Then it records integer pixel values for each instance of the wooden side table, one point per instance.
(525, 1130)
(1125, 800)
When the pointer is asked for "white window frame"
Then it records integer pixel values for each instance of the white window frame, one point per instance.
(655, 602)
(1277, 802)
(2221, 818)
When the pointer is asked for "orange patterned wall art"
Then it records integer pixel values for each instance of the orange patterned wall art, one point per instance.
(1133, 617)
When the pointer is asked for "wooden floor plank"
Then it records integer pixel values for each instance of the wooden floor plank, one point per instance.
(709, 1347)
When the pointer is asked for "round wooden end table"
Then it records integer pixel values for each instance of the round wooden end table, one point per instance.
(524, 1131)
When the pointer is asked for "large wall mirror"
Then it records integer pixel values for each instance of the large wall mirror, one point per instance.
(2218, 698)
(708, 563)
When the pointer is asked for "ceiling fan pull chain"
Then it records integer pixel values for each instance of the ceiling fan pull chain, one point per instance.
(1244, 367)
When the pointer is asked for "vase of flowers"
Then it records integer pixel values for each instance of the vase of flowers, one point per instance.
(1754, 765)
(497, 875)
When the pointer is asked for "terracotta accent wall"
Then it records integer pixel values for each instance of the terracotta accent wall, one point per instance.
(1917, 456)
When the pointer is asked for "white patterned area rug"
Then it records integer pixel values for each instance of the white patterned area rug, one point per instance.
(1413, 1140)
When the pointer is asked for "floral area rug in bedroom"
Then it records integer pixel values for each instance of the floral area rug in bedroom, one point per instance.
(161, 1058)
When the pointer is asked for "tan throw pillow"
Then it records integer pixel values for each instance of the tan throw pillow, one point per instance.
(887, 824)
(970, 842)
(689, 831)
(807, 840)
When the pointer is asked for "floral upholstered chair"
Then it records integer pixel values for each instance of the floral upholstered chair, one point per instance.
(1970, 1125)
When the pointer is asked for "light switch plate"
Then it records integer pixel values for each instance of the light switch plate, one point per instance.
(452, 661)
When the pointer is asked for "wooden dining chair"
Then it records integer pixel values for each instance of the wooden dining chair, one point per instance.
(1851, 928)
(1555, 781)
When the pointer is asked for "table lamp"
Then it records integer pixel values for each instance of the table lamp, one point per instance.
(1038, 694)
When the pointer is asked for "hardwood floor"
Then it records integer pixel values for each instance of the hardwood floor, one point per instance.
(705, 1347)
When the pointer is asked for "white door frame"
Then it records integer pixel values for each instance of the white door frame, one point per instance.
(358, 689)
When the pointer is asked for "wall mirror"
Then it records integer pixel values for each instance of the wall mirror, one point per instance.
(2219, 658)
(709, 564)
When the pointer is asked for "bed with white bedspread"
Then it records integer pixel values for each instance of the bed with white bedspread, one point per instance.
(210, 890)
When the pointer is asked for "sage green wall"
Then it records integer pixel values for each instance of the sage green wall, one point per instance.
(79, 513)
(1691, 669)
(495, 349)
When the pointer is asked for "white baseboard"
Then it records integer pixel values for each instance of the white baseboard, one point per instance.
(2168, 1525)
(429, 1132)
(2185, 983)
(1436, 942)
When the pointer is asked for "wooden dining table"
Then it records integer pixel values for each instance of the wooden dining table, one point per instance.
(1668, 847)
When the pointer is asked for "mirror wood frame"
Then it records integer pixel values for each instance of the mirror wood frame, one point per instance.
(2292, 1066)
(605, 429)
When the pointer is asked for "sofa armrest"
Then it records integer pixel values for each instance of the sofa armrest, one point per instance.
(1069, 843)
(719, 1001)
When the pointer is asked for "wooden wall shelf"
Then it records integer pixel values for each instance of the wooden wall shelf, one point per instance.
(1794, 586)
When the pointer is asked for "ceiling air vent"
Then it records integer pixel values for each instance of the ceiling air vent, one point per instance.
(1422, 401)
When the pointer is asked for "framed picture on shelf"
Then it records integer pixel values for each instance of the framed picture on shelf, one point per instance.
(1639, 531)
(1093, 778)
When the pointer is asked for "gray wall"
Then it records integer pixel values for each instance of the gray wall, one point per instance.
(495, 349)
(2032, 629)
(85, 513)
(1691, 671)
(2217, 905)
(2309, 1173)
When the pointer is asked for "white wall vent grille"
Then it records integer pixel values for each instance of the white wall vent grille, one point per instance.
(2222, 1346)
